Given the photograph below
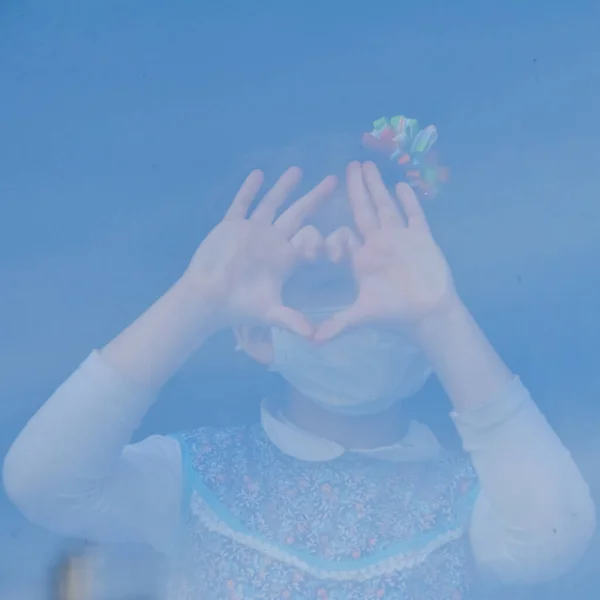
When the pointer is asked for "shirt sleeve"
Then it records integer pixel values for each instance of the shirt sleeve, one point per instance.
(534, 516)
(72, 469)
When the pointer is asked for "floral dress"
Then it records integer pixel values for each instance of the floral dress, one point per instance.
(261, 524)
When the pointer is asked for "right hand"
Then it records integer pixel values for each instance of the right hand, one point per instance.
(241, 265)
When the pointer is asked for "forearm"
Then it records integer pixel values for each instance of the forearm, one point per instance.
(159, 342)
(470, 370)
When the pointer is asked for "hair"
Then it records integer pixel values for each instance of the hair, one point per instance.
(318, 155)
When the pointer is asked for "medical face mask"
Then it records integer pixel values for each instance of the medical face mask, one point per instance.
(363, 371)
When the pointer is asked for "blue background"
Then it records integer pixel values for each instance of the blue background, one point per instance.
(122, 123)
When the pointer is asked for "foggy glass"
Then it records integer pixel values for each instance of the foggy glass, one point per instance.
(125, 129)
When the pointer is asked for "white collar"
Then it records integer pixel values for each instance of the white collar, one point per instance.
(418, 444)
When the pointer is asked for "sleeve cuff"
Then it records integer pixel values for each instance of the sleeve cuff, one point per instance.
(115, 387)
(475, 424)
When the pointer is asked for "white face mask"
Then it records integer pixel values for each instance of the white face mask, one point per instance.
(360, 372)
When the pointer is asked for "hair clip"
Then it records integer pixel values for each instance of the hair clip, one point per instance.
(411, 149)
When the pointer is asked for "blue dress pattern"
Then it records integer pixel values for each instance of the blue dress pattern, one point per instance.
(261, 524)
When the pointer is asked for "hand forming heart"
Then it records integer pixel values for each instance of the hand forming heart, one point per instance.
(401, 272)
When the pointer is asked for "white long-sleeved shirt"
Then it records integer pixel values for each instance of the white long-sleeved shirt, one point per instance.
(73, 470)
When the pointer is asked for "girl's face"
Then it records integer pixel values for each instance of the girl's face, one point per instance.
(320, 285)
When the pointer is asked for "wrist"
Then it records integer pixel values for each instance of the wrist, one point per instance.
(158, 342)
(442, 322)
(195, 304)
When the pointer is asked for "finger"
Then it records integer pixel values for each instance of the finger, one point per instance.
(308, 243)
(246, 194)
(362, 208)
(267, 208)
(341, 243)
(290, 319)
(338, 323)
(385, 205)
(411, 206)
(291, 220)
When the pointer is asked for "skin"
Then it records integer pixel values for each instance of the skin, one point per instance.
(235, 279)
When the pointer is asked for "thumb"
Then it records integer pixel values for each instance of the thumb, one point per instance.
(338, 323)
(290, 319)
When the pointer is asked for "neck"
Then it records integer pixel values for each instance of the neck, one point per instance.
(353, 432)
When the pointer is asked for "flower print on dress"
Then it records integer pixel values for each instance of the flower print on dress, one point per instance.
(353, 528)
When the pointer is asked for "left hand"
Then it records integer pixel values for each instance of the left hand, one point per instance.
(402, 275)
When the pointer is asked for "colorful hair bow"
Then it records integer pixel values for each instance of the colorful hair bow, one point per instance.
(411, 149)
